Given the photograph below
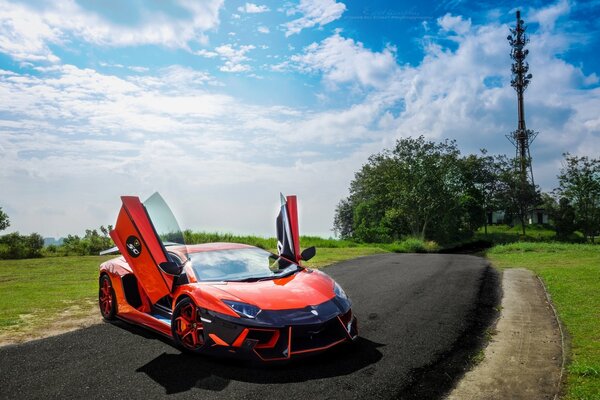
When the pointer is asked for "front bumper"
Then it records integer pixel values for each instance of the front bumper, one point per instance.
(283, 334)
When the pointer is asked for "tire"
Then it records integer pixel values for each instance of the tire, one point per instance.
(186, 327)
(107, 299)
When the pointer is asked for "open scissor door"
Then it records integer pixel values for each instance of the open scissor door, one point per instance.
(288, 238)
(141, 244)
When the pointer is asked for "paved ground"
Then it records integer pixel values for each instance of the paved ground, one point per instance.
(420, 317)
(523, 361)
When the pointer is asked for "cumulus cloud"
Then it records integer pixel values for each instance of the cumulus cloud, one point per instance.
(98, 136)
(252, 8)
(234, 57)
(24, 34)
(343, 60)
(450, 23)
(27, 32)
(314, 12)
(206, 53)
(548, 16)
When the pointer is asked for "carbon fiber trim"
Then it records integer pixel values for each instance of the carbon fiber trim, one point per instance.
(309, 315)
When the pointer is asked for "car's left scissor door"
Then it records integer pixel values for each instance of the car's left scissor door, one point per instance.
(140, 244)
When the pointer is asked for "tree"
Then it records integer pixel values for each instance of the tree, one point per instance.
(343, 220)
(481, 187)
(549, 204)
(4, 221)
(91, 244)
(415, 188)
(564, 219)
(18, 246)
(579, 183)
(518, 197)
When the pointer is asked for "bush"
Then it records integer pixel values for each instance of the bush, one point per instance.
(262, 242)
(91, 244)
(413, 245)
(16, 246)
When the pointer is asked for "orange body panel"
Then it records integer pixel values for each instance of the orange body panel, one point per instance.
(115, 270)
(144, 258)
(292, 206)
(297, 291)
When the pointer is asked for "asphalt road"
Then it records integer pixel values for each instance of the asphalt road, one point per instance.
(420, 319)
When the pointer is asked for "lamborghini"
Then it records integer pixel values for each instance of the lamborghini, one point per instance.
(221, 298)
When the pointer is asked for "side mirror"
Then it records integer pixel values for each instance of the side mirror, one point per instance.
(171, 268)
(308, 253)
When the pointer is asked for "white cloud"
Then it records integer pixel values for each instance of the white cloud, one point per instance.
(206, 53)
(263, 29)
(314, 12)
(234, 57)
(450, 23)
(342, 60)
(27, 32)
(547, 16)
(137, 68)
(230, 66)
(134, 68)
(229, 52)
(252, 8)
(98, 136)
(24, 34)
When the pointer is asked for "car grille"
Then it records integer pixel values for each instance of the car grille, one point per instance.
(317, 336)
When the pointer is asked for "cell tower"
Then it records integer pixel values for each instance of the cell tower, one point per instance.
(522, 137)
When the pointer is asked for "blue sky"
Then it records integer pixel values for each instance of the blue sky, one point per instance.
(219, 105)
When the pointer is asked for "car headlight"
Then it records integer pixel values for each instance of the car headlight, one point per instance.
(339, 292)
(243, 309)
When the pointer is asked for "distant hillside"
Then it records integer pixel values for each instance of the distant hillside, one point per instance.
(50, 240)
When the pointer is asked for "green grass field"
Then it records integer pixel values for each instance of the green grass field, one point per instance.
(571, 273)
(502, 234)
(34, 291)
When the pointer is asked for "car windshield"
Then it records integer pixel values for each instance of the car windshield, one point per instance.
(249, 264)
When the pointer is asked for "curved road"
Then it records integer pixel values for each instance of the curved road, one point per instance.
(420, 319)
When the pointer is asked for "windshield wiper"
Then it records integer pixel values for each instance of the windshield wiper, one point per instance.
(286, 274)
(266, 278)
(251, 279)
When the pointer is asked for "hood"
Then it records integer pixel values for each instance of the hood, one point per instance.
(305, 288)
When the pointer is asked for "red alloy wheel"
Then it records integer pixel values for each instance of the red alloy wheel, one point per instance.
(187, 326)
(106, 299)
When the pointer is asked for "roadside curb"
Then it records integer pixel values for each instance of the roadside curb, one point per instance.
(525, 358)
(562, 340)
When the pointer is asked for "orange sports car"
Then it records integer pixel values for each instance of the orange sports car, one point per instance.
(223, 298)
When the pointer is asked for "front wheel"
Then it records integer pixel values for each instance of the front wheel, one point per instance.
(186, 326)
(106, 299)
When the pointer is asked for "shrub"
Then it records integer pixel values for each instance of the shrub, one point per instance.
(16, 246)
(414, 245)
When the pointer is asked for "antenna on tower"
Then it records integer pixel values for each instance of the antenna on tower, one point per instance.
(522, 137)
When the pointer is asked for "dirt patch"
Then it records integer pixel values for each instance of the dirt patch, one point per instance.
(34, 326)
(524, 358)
